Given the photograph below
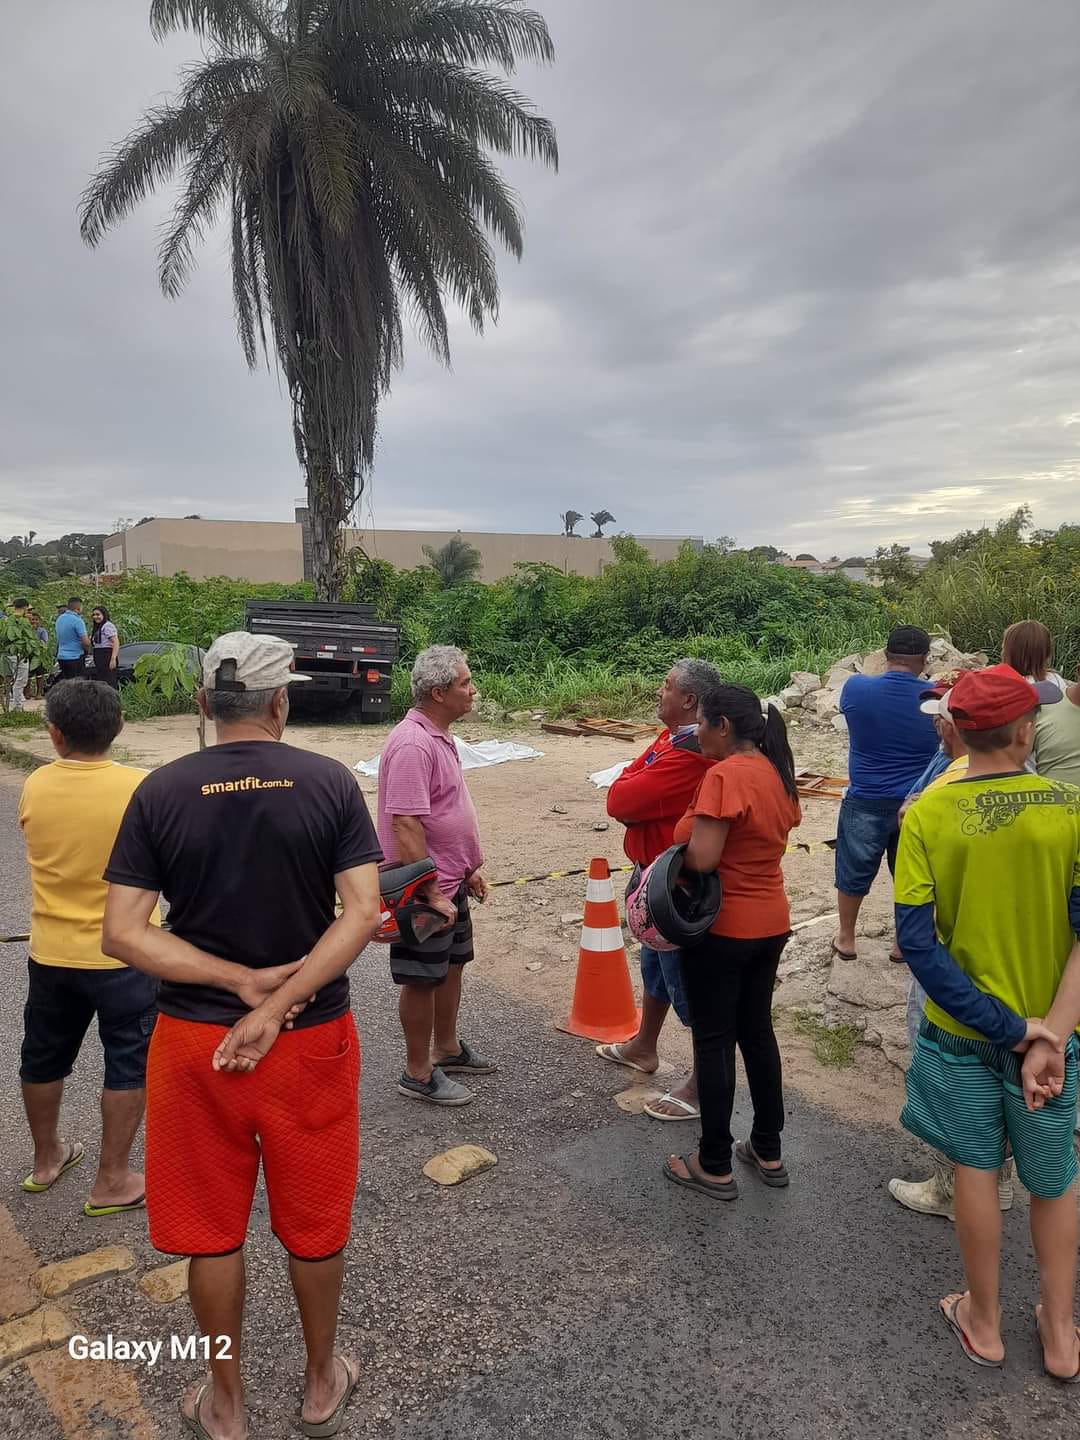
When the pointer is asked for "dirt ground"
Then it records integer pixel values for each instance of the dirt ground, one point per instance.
(542, 815)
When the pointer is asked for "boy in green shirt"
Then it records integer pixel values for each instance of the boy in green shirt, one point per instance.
(987, 912)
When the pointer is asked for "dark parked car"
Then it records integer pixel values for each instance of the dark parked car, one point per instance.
(129, 657)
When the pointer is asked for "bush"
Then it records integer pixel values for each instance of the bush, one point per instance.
(567, 643)
(982, 581)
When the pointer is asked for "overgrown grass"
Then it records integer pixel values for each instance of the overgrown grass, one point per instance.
(141, 703)
(19, 719)
(834, 1045)
(977, 596)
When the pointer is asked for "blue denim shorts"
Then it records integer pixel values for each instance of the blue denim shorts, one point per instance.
(60, 1004)
(867, 832)
(661, 976)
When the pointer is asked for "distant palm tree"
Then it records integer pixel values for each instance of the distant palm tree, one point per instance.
(569, 520)
(600, 519)
(456, 563)
(348, 142)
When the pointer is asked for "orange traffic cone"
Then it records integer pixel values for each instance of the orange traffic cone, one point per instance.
(603, 1007)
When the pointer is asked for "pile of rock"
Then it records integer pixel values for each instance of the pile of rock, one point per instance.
(818, 698)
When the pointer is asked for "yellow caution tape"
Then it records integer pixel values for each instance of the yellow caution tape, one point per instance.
(809, 847)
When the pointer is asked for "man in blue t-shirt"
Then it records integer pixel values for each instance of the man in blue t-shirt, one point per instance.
(890, 743)
(72, 641)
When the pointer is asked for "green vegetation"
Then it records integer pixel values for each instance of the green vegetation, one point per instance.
(599, 644)
(455, 563)
(19, 720)
(164, 684)
(981, 581)
(834, 1045)
(17, 642)
(566, 643)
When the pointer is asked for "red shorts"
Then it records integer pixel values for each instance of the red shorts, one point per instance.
(206, 1130)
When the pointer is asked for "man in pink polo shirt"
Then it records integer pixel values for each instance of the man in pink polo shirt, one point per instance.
(425, 809)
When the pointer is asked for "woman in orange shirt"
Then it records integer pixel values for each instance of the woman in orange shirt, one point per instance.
(738, 826)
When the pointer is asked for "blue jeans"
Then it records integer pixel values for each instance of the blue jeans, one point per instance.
(867, 831)
(662, 978)
(60, 1004)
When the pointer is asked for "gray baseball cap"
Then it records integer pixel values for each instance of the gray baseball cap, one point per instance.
(241, 661)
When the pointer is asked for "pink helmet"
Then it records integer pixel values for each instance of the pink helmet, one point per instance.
(670, 907)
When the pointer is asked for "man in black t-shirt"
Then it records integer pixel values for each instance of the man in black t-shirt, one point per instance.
(254, 1055)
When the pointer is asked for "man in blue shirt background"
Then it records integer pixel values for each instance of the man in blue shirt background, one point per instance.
(890, 743)
(72, 641)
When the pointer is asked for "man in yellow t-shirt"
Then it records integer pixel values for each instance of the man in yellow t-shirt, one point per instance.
(70, 812)
(988, 914)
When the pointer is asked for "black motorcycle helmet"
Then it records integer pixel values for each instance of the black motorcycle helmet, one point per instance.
(673, 903)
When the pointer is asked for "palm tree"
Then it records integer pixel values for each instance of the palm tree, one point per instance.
(569, 520)
(456, 563)
(348, 143)
(600, 519)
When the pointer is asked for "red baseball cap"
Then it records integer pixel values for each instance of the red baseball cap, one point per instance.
(985, 699)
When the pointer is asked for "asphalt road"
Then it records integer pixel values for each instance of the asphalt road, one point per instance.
(571, 1292)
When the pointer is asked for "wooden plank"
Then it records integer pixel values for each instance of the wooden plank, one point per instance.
(824, 787)
(608, 729)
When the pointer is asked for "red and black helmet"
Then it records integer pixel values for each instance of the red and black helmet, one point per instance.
(406, 919)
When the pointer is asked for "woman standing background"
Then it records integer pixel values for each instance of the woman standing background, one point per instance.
(37, 672)
(1029, 648)
(738, 825)
(105, 643)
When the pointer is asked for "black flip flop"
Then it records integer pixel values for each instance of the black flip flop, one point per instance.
(779, 1178)
(843, 954)
(729, 1190)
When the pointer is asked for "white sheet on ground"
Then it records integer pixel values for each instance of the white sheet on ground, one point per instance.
(473, 757)
(603, 778)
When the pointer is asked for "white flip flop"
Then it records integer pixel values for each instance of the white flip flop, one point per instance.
(692, 1112)
(614, 1056)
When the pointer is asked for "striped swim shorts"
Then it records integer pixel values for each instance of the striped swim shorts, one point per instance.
(965, 1098)
(429, 963)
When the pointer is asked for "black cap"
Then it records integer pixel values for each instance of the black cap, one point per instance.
(908, 640)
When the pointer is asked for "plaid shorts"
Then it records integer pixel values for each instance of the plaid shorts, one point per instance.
(429, 963)
(965, 1098)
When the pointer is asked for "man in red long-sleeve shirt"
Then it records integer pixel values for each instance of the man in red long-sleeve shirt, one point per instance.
(652, 794)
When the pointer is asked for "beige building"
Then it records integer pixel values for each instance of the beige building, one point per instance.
(271, 550)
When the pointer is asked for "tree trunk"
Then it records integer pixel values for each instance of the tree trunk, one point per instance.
(327, 505)
(326, 550)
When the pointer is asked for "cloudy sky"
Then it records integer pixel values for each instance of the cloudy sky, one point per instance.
(809, 275)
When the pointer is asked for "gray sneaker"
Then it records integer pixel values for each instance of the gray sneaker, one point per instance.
(439, 1090)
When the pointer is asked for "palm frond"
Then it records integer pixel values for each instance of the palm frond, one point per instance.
(297, 81)
(247, 128)
(247, 294)
(218, 83)
(463, 167)
(206, 187)
(470, 32)
(330, 154)
(480, 106)
(243, 22)
(480, 32)
(149, 155)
